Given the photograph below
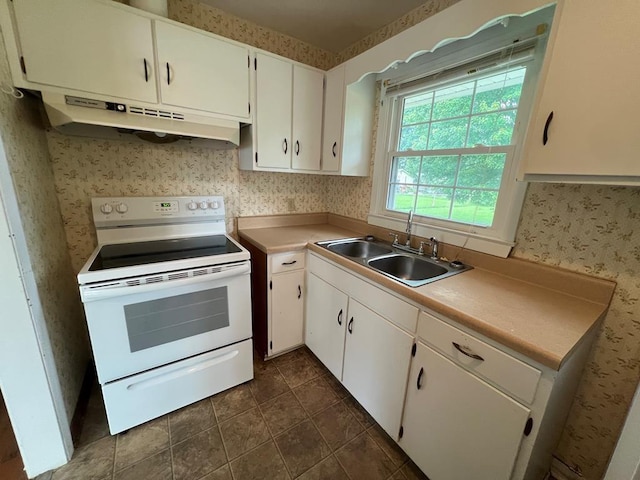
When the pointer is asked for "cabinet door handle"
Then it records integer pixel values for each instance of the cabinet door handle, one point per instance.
(545, 134)
(297, 147)
(340, 317)
(146, 71)
(299, 292)
(168, 74)
(350, 326)
(333, 149)
(290, 263)
(419, 381)
(285, 146)
(464, 351)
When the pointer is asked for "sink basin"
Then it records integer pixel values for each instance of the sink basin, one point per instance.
(358, 249)
(404, 267)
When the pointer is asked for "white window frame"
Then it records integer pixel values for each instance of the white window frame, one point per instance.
(495, 240)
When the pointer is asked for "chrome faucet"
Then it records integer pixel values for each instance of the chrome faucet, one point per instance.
(408, 229)
(434, 248)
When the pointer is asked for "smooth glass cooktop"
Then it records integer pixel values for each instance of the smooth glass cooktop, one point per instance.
(141, 253)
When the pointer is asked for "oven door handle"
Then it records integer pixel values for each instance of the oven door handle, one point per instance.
(90, 293)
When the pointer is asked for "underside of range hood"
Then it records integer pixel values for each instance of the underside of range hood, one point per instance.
(89, 117)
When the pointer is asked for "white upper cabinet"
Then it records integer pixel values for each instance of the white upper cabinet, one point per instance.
(87, 46)
(286, 134)
(347, 124)
(583, 128)
(307, 118)
(201, 72)
(333, 116)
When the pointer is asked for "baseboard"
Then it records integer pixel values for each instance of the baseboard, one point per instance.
(561, 471)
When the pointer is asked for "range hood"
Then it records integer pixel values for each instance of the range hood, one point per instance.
(88, 117)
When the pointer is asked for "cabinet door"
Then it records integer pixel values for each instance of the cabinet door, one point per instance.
(376, 363)
(274, 83)
(87, 46)
(201, 72)
(326, 314)
(332, 121)
(307, 118)
(592, 70)
(287, 311)
(457, 426)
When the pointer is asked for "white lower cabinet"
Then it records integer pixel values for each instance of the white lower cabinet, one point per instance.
(325, 323)
(285, 301)
(456, 425)
(376, 362)
(287, 311)
(458, 403)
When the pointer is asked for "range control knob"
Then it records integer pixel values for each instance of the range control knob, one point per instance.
(215, 204)
(203, 205)
(106, 208)
(122, 208)
(192, 205)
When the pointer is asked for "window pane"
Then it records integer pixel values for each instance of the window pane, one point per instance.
(417, 108)
(492, 128)
(401, 197)
(453, 101)
(481, 171)
(414, 137)
(499, 92)
(405, 170)
(448, 134)
(476, 207)
(434, 202)
(439, 170)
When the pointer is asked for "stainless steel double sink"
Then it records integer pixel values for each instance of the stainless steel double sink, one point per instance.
(411, 269)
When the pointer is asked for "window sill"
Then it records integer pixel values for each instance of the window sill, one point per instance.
(467, 240)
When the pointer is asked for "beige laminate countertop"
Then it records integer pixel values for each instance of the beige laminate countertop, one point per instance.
(539, 321)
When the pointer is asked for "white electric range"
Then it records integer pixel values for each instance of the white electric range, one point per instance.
(167, 298)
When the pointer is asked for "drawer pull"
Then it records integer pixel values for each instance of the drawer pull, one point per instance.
(545, 134)
(464, 351)
(290, 263)
(350, 326)
(340, 317)
(419, 381)
(299, 292)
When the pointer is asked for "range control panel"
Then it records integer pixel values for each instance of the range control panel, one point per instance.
(130, 211)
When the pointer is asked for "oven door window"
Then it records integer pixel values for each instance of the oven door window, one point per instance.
(156, 322)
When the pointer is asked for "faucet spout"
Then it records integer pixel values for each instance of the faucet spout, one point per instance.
(408, 229)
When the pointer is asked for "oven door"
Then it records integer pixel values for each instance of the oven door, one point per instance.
(139, 327)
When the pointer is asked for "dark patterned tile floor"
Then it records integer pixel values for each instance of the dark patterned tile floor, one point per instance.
(294, 420)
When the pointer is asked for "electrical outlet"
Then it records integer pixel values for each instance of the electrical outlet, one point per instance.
(291, 204)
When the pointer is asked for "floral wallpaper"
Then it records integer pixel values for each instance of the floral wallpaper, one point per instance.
(593, 229)
(26, 149)
(221, 23)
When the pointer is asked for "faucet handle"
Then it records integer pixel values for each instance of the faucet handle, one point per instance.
(421, 248)
(395, 237)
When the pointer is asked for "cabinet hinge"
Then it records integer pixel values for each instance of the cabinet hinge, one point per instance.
(270, 345)
(413, 350)
(270, 285)
(401, 433)
(23, 66)
(256, 158)
(255, 63)
(528, 427)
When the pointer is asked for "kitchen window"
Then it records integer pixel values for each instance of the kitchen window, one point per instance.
(450, 131)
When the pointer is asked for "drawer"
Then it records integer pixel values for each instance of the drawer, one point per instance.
(508, 373)
(140, 398)
(284, 262)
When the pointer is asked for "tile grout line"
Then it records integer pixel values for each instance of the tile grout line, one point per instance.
(272, 438)
(173, 471)
(224, 445)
